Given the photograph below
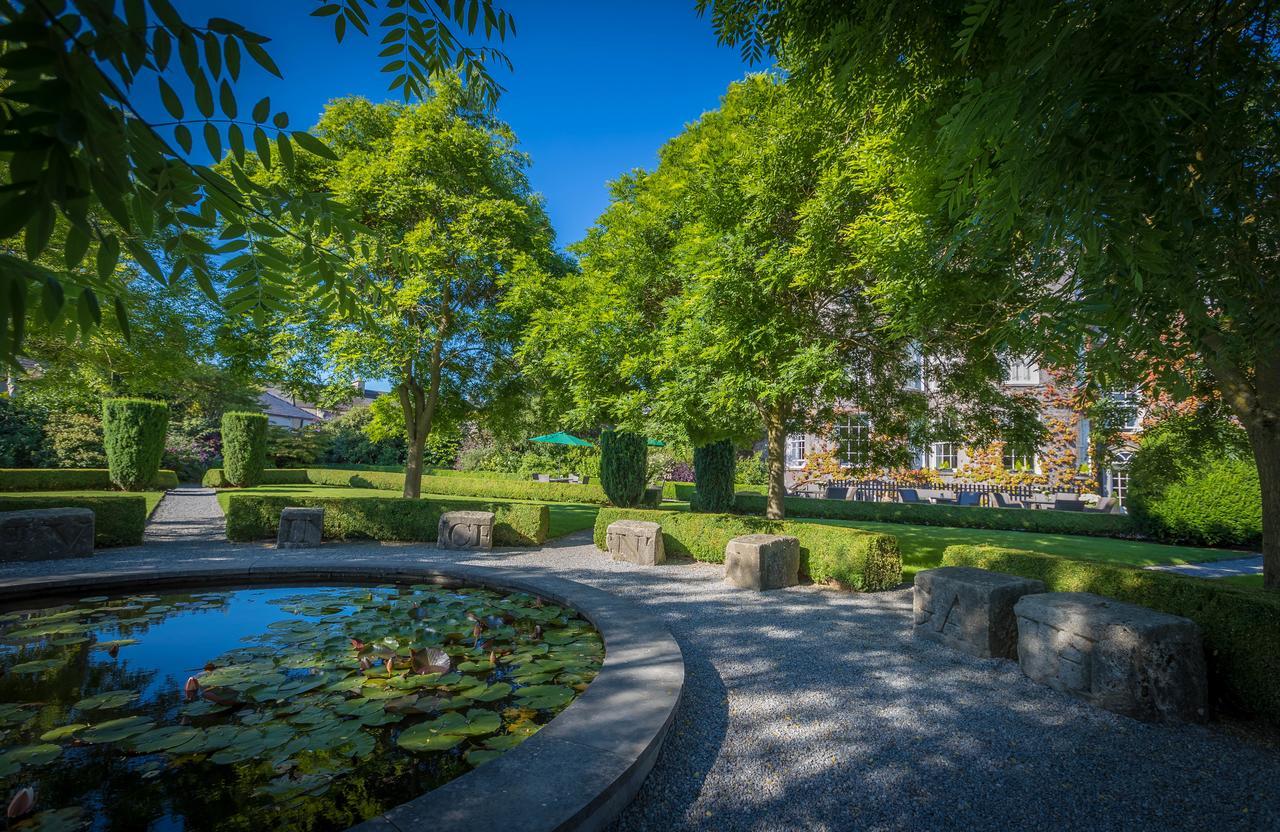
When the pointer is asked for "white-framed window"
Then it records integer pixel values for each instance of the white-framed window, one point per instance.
(915, 369)
(1023, 371)
(795, 450)
(1128, 408)
(1119, 484)
(853, 439)
(917, 459)
(1019, 457)
(946, 456)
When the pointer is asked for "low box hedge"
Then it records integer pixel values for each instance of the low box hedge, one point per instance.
(433, 472)
(963, 517)
(214, 478)
(72, 479)
(257, 517)
(685, 491)
(1241, 626)
(863, 561)
(118, 519)
(551, 492)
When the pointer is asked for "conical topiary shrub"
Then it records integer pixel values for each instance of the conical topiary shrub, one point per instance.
(133, 433)
(624, 461)
(244, 448)
(714, 466)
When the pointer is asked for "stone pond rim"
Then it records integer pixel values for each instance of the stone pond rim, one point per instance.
(577, 773)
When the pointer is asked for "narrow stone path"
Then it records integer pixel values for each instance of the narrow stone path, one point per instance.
(187, 514)
(1250, 565)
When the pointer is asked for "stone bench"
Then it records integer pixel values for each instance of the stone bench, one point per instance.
(300, 528)
(635, 541)
(465, 530)
(46, 534)
(1125, 658)
(970, 609)
(762, 561)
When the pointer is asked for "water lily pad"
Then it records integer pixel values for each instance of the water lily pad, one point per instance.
(423, 737)
(107, 699)
(541, 697)
(164, 739)
(115, 730)
(65, 819)
(478, 756)
(37, 666)
(29, 755)
(62, 732)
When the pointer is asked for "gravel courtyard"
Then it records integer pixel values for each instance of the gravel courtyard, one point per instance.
(812, 709)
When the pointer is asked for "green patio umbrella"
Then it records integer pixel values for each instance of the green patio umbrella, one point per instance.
(562, 438)
(654, 443)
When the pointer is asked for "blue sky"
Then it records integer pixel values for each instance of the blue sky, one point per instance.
(596, 89)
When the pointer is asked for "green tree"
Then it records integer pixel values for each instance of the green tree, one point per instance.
(624, 467)
(1109, 171)
(91, 175)
(244, 448)
(714, 465)
(442, 191)
(133, 434)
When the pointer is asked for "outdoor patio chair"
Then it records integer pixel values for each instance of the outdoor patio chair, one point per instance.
(1062, 504)
(836, 492)
(1004, 501)
(909, 495)
(864, 496)
(542, 478)
(969, 498)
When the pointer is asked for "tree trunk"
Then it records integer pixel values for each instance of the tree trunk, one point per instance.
(775, 425)
(416, 427)
(1266, 451)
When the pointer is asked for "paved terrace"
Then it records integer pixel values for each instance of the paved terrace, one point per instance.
(811, 709)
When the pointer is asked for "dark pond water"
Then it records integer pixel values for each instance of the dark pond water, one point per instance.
(302, 708)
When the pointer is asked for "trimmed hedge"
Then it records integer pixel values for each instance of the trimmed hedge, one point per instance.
(863, 561)
(118, 519)
(551, 492)
(215, 478)
(431, 472)
(962, 517)
(1241, 626)
(244, 447)
(714, 465)
(133, 436)
(624, 459)
(73, 479)
(686, 491)
(1218, 504)
(257, 517)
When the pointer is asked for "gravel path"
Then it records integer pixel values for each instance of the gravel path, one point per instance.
(813, 709)
(1251, 565)
(188, 514)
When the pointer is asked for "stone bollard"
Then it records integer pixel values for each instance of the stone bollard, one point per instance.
(465, 530)
(970, 609)
(636, 541)
(1129, 659)
(300, 528)
(46, 534)
(762, 561)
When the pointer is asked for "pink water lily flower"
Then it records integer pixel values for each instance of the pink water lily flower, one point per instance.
(191, 688)
(22, 804)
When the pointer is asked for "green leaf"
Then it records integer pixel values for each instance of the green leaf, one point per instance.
(227, 99)
(262, 146)
(231, 53)
(107, 699)
(122, 319)
(285, 148)
(108, 255)
(62, 732)
(116, 730)
(77, 245)
(183, 137)
(39, 228)
(213, 141)
(204, 95)
(262, 59)
(313, 145)
(262, 109)
(170, 99)
(235, 138)
(280, 120)
(213, 54)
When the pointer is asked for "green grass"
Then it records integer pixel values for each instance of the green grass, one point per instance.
(922, 545)
(153, 497)
(565, 517)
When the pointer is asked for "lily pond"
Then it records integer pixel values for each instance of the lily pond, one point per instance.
(303, 708)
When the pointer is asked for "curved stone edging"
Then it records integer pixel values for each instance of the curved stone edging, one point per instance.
(577, 773)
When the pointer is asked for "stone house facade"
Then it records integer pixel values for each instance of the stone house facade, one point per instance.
(1063, 463)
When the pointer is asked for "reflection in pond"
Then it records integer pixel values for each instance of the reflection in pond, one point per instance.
(299, 708)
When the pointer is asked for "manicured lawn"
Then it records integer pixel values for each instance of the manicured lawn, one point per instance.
(152, 497)
(565, 517)
(1254, 581)
(922, 546)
